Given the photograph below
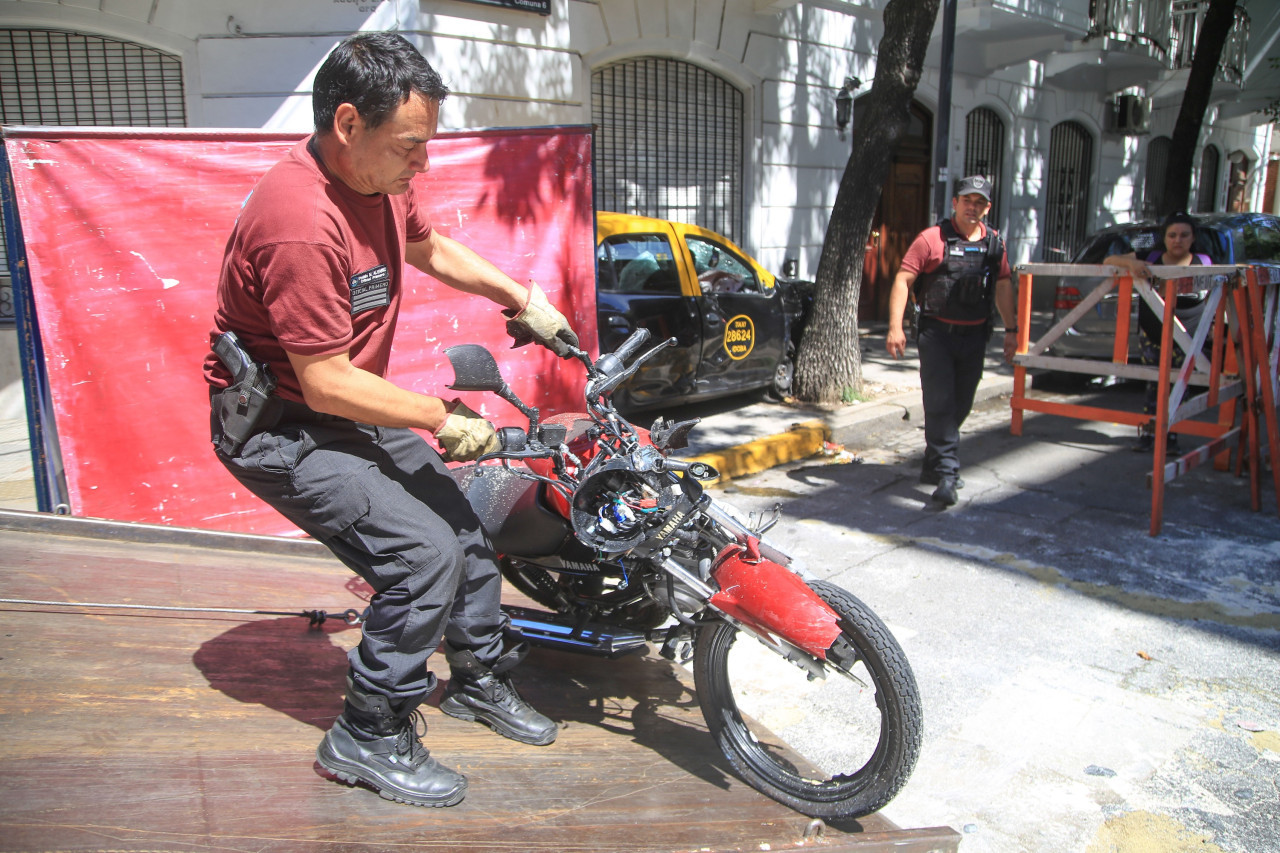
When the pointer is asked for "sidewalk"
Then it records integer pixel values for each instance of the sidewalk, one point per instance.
(17, 489)
(741, 439)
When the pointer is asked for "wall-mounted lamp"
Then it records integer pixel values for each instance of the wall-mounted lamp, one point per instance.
(844, 103)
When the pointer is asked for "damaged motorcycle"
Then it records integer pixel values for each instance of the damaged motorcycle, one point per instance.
(805, 691)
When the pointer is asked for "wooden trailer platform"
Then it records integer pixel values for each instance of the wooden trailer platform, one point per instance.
(195, 730)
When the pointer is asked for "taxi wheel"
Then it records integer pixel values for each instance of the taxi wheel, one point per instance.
(780, 387)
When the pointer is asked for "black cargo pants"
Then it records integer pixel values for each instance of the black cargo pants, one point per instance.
(383, 501)
(951, 362)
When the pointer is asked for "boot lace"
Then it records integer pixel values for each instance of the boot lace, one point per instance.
(408, 739)
(498, 691)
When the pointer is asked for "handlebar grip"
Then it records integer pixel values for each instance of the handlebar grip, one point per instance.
(637, 339)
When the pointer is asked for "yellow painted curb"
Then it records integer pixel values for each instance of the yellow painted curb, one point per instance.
(799, 442)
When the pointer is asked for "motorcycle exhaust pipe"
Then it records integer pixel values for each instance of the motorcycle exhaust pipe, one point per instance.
(551, 631)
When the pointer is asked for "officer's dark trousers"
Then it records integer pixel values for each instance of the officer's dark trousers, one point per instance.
(951, 363)
(383, 501)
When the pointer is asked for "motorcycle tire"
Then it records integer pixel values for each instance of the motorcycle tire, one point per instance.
(839, 747)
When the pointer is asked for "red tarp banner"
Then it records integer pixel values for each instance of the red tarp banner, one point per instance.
(124, 234)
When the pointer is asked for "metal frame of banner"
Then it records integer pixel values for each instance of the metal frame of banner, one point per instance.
(1238, 375)
(46, 458)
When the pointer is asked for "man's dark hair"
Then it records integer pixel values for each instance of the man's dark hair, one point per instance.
(375, 73)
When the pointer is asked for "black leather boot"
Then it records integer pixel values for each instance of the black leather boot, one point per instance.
(376, 742)
(484, 694)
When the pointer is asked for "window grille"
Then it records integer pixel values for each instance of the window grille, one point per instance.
(1207, 193)
(984, 153)
(1157, 179)
(50, 77)
(1069, 175)
(669, 143)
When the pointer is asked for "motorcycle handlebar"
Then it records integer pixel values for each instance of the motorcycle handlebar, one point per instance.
(634, 341)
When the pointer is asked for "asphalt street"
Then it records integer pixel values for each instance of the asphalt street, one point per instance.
(1086, 687)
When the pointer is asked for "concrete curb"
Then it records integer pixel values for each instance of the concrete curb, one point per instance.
(855, 427)
(801, 441)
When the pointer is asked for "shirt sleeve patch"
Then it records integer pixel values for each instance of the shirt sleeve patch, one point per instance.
(370, 289)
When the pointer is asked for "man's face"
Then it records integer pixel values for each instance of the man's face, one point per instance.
(970, 208)
(386, 158)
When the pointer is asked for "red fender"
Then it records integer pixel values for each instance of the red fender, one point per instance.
(773, 600)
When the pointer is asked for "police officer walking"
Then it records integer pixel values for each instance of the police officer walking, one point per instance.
(957, 272)
(304, 417)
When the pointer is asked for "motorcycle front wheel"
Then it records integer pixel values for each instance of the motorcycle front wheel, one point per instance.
(834, 747)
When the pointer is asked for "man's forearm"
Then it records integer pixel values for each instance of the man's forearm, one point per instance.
(461, 268)
(331, 384)
(1006, 303)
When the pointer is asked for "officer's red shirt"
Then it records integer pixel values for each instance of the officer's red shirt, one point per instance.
(927, 250)
(313, 268)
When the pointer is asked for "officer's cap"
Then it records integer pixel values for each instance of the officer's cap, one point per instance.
(974, 184)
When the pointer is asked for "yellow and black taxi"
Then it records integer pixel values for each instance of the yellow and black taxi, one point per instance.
(735, 323)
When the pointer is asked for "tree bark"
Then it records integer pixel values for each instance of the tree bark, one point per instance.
(829, 363)
(1218, 20)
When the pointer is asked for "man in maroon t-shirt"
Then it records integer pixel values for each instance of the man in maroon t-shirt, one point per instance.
(958, 272)
(311, 285)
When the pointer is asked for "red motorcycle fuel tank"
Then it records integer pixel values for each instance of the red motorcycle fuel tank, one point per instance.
(772, 599)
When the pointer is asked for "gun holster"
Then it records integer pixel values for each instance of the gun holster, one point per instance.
(249, 404)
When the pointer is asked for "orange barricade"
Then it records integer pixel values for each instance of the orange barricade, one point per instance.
(1238, 375)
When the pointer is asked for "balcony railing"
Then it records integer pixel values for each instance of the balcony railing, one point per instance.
(1145, 22)
(1188, 18)
(1170, 31)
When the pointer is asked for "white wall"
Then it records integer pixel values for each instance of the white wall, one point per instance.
(250, 63)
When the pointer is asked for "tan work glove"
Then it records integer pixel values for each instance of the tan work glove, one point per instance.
(466, 436)
(541, 322)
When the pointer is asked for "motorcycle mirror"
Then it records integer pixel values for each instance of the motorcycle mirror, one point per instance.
(474, 369)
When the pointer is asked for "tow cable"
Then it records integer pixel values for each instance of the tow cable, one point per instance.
(316, 617)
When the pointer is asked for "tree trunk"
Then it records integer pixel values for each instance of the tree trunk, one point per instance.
(1218, 20)
(829, 364)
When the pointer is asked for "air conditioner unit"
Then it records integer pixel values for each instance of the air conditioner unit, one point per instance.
(1130, 114)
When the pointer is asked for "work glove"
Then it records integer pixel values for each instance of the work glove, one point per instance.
(464, 435)
(540, 322)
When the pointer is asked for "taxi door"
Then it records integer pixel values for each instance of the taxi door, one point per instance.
(638, 284)
(743, 324)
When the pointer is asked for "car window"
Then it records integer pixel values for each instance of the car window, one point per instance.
(1140, 242)
(719, 270)
(1143, 241)
(637, 263)
(1261, 241)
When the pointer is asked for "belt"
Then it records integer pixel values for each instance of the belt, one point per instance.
(301, 413)
(955, 328)
(285, 412)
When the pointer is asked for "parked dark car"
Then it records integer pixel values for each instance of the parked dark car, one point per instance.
(1227, 238)
(736, 324)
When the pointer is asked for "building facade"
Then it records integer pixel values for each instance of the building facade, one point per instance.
(718, 112)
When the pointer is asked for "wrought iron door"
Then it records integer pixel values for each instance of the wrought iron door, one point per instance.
(669, 143)
(1067, 205)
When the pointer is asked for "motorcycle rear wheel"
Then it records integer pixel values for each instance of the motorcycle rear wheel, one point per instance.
(828, 748)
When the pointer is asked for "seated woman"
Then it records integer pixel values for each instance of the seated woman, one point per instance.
(1179, 232)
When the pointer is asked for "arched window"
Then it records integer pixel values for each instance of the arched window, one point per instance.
(1157, 176)
(1207, 193)
(669, 143)
(53, 77)
(984, 153)
(1069, 175)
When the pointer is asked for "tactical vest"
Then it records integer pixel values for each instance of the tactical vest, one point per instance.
(962, 287)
